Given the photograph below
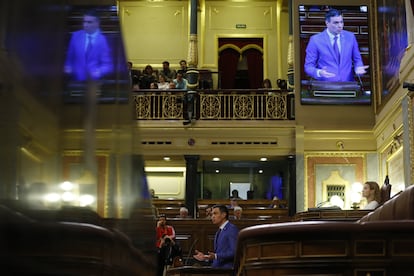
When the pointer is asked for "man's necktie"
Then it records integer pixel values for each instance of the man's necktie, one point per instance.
(216, 239)
(335, 47)
(88, 46)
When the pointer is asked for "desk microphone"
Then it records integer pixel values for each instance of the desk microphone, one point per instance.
(319, 205)
(189, 252)
(360, 83)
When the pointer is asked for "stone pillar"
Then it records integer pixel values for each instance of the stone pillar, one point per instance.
(292, 185)
(191, 183)
(192, 59)
(290, 59)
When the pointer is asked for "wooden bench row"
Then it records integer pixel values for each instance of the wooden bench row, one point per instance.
(204, 203)
(251, 213)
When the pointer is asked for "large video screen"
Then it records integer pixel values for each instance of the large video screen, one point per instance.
(94, 56)
(333, 53)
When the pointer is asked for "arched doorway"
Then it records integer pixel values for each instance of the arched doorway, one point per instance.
(240, 63)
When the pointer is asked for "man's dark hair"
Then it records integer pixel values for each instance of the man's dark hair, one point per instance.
(166, 62)
(223, 209)
(332, 13)
(92, 12)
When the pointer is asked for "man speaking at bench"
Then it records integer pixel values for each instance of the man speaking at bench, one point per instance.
(225, 240)
(331, 54)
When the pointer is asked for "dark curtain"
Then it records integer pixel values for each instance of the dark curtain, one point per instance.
(228, 60)
(255, 64)
(228, 67)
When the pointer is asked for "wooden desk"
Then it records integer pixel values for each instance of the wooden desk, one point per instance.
(340, 215)
(203, 270)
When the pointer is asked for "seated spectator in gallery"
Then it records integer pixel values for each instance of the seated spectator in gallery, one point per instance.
(180, 82)
(208, 212)
(148, 76)
(237, 213)
(183, 68)
(267, 84)
(154, 85)
(163, 84)
(233, 203)
(167, 72)
(183, 213)
(171, 85)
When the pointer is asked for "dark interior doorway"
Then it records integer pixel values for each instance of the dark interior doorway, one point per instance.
(240, 63)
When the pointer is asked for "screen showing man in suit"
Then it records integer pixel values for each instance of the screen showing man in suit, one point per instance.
(95, 55)
(89, 56)
(225, 240)
(334, 49)
(333, 55)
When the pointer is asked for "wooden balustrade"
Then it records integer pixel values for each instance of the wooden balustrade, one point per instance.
(252, 104)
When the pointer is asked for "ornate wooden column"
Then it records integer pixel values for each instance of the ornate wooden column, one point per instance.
(290, 59)
(191, 183)
(292, 185)
(192, 59)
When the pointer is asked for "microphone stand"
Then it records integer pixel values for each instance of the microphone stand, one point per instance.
(189, 252)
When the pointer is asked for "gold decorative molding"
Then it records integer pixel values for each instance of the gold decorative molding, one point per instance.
(411, 131)
(396, 145)
(240, 50)
(192, 58)
(249, 105)
(357, 160)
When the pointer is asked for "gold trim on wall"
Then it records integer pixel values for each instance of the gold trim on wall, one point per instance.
(411, 132)
(75, 157)
(330, 158)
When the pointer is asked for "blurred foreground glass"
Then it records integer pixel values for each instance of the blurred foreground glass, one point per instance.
(70, 144)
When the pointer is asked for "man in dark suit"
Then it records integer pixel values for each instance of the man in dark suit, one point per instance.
(225, 240)
(89, 55)
(333, 55)
(133, 77)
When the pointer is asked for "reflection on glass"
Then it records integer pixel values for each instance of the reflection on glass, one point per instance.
(75, 161)
(94, 53)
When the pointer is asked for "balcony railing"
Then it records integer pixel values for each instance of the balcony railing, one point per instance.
(214, 105)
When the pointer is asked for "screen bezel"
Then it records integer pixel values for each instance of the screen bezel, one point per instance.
(298, 58)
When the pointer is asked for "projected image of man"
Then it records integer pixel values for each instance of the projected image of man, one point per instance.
(333, 55)
(89, 55)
